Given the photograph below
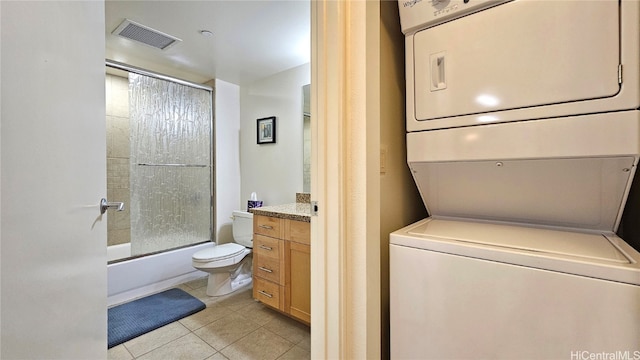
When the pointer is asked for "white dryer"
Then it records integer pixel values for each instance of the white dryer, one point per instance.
(523, 139)
(471, 62)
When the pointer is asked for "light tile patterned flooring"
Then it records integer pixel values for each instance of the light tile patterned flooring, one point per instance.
(231, 327)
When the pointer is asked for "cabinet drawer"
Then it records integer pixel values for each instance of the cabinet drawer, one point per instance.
(266, 292)
(266, 225)
(268, 268)
(266, 246)
(298, 231)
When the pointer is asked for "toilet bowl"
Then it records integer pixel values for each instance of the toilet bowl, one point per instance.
(229, 265)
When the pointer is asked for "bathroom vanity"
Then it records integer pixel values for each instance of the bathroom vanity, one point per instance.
(281, 259)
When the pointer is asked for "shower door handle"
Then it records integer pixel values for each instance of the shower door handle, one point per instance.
(104, 206)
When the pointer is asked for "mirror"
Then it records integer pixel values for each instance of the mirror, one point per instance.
(306, 138)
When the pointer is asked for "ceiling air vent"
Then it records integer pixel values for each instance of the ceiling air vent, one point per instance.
(144, 34)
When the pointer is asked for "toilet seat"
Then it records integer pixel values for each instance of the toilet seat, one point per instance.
(220, 256)
(219, 252)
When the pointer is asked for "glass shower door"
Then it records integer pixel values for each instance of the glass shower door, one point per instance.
(170, 164)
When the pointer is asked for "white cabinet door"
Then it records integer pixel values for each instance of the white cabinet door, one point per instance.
(53, 171)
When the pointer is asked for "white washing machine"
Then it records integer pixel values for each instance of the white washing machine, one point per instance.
(474, 290)
(523, 140)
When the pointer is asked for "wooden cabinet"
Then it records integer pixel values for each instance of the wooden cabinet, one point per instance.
(268, 226)
(298, 282)
(282, 264)
(268, 259)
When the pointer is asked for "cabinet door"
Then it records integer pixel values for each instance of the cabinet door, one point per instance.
(298, 282)
(298, 231)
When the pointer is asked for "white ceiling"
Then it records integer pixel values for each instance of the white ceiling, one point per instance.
(251, 39)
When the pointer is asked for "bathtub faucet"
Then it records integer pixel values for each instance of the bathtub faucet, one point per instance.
(104, 206)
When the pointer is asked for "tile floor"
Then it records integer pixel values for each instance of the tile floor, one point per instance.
(231, 327)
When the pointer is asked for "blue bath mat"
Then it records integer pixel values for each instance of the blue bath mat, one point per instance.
(140, 316)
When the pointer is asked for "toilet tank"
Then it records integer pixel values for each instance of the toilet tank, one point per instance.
(243, 228)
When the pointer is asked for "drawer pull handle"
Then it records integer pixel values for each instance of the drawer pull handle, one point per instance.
(265, 248)
(265, 294)
(265, 269)
(266, 227)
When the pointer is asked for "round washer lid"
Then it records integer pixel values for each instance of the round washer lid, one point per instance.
(219, 252)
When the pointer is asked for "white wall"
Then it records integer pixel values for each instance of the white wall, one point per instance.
(274, 171)
(227, 163)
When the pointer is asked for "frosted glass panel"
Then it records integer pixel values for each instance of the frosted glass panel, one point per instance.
(170, 123)
(169, 208)
(170, 164)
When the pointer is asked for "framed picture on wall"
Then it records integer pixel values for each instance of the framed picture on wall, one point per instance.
(267, 130)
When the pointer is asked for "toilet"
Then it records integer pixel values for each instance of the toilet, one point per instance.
(228, 265)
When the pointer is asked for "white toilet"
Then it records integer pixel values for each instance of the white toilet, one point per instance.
(228, 265)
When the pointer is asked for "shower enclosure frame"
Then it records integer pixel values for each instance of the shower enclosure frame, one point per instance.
(212, 187)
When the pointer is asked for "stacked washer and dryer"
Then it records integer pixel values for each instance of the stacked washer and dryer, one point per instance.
(523, 137)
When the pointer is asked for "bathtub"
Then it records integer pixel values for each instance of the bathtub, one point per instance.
(120, 251)
(138, 277)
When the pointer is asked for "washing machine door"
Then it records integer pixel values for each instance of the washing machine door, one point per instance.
(520, 54)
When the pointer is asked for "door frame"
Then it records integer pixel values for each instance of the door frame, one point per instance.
(345, 180)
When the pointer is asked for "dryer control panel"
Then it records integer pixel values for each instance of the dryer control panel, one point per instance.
(415, 14)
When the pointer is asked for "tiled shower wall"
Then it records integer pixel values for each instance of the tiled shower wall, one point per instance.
(118, 149)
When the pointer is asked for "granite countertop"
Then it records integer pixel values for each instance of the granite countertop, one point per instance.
(294, 211)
